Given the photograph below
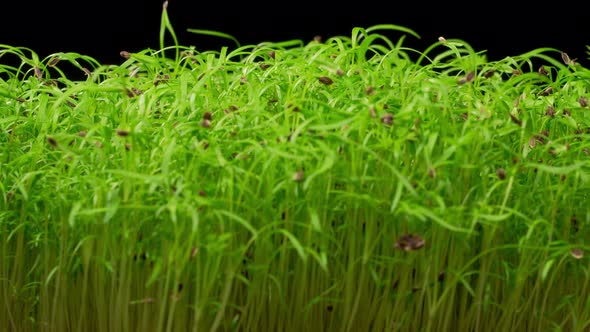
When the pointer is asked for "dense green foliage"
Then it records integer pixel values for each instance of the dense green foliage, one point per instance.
(349, 184)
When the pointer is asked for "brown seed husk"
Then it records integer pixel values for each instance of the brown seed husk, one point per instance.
(577, 253)
(410, 242)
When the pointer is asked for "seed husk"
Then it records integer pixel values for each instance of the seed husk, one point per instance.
(325, 80)
(467, 78)
(298, 176)
(410, 242)
(577, 253)
(51, 141)
(387, 119)
(501, 173)
(122, 132)
(38, 72)
(515, 120)
(161, 79)
(432, 173)
(53, 61)
(489, 73)
(547, 91)
(543, 71)
(567, 60)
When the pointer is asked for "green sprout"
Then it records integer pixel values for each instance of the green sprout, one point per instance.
(345, 184)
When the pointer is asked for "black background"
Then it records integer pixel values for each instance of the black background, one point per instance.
(102, 29)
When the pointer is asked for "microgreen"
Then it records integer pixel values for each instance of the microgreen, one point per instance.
(340, 184)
